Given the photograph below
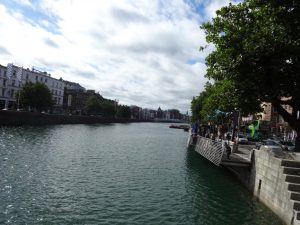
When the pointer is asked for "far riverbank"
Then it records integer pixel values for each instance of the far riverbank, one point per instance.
(14, 118)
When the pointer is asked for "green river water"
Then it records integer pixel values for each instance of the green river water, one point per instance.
(139, 173)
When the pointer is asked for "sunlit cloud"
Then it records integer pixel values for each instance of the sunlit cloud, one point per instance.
(143, 52)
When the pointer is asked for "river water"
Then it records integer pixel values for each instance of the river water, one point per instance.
(139, 173)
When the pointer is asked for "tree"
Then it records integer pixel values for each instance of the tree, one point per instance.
(215, 101)
(37, 96)
(220, 98)
(124, 111)
(257, 47)
(108, 108)
(92, 105)
(198, 102)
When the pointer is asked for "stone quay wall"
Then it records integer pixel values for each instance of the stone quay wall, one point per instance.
(13, 118)
(269, 180)
(268, 184)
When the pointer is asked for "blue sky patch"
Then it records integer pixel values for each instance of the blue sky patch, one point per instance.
(34, 14)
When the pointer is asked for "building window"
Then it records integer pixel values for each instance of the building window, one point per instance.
(46, 80)
(4, 73)
(12, 93)
(36, 78)
(4, 82)
(13, 83)
(27, 76)
(3, 92)
(41, 79)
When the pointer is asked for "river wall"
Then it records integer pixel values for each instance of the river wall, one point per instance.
(270, 182)
(13, 118)
(273, 178)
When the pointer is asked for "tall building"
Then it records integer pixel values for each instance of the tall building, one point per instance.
(74, 98)
(12, 79)
(278, 125)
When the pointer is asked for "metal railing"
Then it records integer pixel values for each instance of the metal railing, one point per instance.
(210, 149)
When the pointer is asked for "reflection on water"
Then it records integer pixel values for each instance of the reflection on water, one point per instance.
(115, 174)
(229, 203)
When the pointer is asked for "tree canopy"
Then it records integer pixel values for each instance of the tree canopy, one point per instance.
(214, 102)
(37, 96)
(92, 105)
(96, 106)
(124, 111)
(257, 50)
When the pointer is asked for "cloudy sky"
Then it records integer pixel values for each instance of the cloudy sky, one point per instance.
(141, 52)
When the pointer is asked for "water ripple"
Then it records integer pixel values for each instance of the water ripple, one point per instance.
(115, 174)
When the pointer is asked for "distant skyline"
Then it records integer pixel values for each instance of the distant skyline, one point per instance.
(143, 52)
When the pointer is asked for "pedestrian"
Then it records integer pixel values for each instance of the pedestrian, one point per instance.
(228, 150)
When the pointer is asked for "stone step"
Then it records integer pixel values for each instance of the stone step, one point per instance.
(296, 221)
(292, 179)
(290, 163)
(291, 170)
(296, 205)
(295, 196)
(294, 187)
(297, 213)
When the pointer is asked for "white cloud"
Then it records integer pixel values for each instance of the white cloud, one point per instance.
(135, 51)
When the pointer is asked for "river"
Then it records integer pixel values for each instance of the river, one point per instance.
(138, 173)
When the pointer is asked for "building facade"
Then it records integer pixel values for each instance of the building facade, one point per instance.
(74, 98)
(277, 124)
(12, 79)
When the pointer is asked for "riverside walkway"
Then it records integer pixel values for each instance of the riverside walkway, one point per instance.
(242, 157)
(214, 151)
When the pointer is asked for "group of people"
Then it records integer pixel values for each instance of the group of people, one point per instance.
(208, 133)
(212, 132)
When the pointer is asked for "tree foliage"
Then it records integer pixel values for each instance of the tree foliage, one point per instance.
(96, 106)
(37, 96)
(108, 108)
(124, 111)
(92, 105)
(257, 48)
(214, 102)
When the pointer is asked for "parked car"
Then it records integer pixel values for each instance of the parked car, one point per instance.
(269, 144)
(242, 139)
(275, 139)
(287, 145)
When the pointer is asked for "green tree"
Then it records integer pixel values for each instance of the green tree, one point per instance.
(37, 96)
(92, 105)
(124, 111)
(108, 108)
(198, 103)
(220, 97)
(257, 47)
(97, 106)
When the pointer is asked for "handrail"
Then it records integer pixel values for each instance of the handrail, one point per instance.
(212, 150)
